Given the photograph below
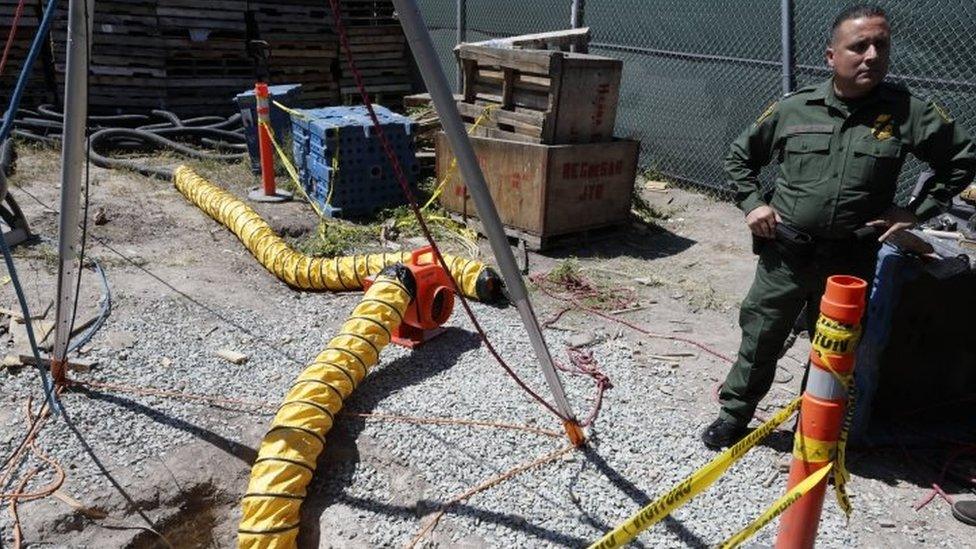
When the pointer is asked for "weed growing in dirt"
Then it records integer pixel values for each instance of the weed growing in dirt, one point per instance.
(566, 272)
(568, 277)
(229, 174)
(647, 212)
(334, 238)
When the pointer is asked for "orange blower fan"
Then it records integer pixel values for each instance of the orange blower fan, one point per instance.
(432, 306)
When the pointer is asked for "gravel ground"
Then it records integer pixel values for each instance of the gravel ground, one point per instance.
(184, 465)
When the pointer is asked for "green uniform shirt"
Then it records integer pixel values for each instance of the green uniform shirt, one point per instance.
(839, 161)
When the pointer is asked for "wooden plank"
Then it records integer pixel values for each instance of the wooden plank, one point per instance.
(559, 40)
(589, 185)
(514, 174)
(587, 102)
(526, 123)
(532, 61)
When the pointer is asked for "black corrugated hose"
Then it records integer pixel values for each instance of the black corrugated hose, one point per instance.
(202, 138)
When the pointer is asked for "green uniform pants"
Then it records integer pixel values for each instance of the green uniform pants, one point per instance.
(782, 285)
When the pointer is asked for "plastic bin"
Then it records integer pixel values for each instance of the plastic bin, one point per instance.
(287, 95)
(342, 163)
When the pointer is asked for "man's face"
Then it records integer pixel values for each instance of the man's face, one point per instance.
(859, 54)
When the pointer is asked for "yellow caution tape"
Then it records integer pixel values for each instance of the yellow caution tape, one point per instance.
(841, 475)
(292, 172)
(777, 508)
(453, 166)
(835, 332)
(290, 111)
(809, 449)
(835, 337)
(691, 486)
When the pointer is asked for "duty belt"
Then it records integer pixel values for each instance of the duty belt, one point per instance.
(799, 245)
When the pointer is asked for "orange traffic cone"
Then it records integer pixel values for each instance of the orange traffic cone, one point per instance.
(824, 404)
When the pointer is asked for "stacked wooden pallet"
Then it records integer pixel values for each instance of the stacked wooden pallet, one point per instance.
(128, 57)
(304, 47)
(368, 12)
(379, 49)
(42, 87)
(192, 57)
(207, 63)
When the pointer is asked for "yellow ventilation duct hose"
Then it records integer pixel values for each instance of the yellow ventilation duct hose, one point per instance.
(475, 279)
(288, 454)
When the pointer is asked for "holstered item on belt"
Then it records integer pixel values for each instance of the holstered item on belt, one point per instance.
(788, 240)
(800, 246)
(795, 243)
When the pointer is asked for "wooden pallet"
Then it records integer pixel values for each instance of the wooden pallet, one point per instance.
(191, 56)
(381, 57)
(540, 96)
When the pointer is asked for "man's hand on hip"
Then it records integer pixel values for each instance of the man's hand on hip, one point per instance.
(893, 220)
(762, 221)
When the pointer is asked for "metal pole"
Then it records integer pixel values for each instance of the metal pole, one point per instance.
(80, 15)
(786, 34)
(462, 36)
(440, 92)
(576, 18)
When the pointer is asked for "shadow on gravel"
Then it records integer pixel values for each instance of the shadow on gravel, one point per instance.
(425, 507)
(950, 466)
(780, 440)
(338, 464)
(236, 449)
(638, 496)
(641, 242)
(135, 507)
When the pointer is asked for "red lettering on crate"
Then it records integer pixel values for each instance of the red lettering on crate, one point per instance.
(599, 110)
(593, 191)
(515, 180)
(588, 170)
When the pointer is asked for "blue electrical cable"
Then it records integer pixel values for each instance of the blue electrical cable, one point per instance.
(8, 122)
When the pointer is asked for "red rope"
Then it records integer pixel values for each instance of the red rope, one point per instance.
(583, 363)
(404, 185)
(13, 33)
(540, 281)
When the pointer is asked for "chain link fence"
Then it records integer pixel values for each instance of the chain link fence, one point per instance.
(697, 73)
(933, 53)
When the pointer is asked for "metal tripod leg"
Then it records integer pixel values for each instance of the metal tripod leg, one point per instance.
(14, 218)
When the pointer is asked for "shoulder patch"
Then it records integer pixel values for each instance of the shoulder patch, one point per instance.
(942, 113)
(804, 89)
(767, 113)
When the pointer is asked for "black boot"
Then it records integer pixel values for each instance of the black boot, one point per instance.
(965, 512)
(722, 433)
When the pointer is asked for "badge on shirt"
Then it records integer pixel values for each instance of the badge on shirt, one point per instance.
(942, 113)
(767, 113)
(883, 129)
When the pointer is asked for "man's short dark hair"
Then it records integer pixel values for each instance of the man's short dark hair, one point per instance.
(855, 11)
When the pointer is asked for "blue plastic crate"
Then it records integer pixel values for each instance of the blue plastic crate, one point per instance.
(287, 95)
(345, 138)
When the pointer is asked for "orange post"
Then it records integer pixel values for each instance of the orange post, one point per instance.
(824, 404)
(263, 105)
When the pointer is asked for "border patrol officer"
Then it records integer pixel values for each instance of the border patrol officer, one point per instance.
(840, 147)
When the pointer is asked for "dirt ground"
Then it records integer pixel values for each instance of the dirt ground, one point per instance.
(689, 270)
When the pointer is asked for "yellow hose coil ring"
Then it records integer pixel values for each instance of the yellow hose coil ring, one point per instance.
(297, 269)
(290, 449)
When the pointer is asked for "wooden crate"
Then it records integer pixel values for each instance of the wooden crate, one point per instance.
(547, 190)
(540, 96)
